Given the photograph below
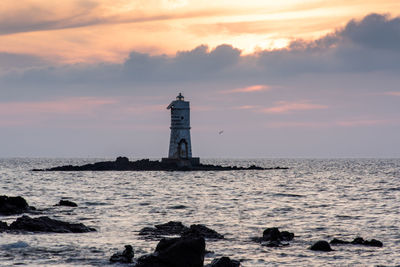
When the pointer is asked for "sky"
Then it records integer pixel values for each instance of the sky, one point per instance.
(281, 79)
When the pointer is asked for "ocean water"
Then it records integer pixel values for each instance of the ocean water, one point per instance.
(316, 199)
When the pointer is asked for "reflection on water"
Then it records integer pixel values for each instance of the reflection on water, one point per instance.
(315, 199)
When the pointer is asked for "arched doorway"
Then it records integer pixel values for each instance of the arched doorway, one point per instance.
(183, 149)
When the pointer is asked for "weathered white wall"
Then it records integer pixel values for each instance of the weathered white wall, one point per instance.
(180, 127)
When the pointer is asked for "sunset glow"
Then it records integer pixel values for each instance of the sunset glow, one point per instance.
(104, 30)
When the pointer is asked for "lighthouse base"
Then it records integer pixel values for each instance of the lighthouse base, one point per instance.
(182, 162)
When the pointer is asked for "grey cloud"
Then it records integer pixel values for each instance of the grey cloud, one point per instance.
(361, 46)
(375, 31)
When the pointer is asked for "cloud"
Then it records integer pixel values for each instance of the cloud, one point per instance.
(248, 89)
(392, 93)
(343, 52)
(287, 107)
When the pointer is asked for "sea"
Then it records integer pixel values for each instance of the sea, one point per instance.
(316, 199)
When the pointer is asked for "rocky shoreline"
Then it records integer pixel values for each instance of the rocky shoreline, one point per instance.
(188, 249)
(123, 164)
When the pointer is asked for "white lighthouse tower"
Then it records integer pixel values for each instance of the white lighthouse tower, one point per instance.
(180, 147)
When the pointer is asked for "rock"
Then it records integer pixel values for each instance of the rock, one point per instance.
(336, 241)
(3, 226)
(224, 262)
(14, 205)
(122, 161)
(273, 234)
(203, 231)
(169, 228)
(124, 257)
(372, 242)
(272, 237)
(178, 252)
(123, 164)
(67, 203)
(358, 241)
(286, 236)
(321, 246)
(45, 224)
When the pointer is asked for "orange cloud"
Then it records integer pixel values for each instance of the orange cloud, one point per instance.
(81, 30)
(287, 107)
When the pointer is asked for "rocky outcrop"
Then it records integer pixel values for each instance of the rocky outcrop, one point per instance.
(224, 262)
(177, 228)
(321, 246)
(358, 241)
(202, 231)
(169, 228)
(272, 237)
(14, 205)
(123, 164)
(67, 203)
(178, 252)
(45, 224)
(123, 257)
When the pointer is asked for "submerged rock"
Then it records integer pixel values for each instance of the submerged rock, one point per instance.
(178, 252)
(273, 234)
(169, 228)
(321, 246)
(203, 231)
(14, 205)
(272, 237)
(358, 241)
(67, 203)
(372, 242)
(123, 257)
(45, 224)
(224, 262)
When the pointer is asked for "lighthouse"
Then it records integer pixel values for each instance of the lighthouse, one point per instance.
(180, 147)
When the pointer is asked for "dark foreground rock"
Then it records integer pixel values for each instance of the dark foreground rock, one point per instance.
(66, 203)
(14, 205)
(177, 252)
(3, 226)
(321, 246)
(123, 164)
(202, 231)
(358, 241)
(224, 262)
(123, 257)
(272, 237)
(45, 224)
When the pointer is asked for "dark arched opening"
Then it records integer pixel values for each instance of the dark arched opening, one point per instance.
(183, 149)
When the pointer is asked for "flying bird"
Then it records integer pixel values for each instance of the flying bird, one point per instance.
(221, 132)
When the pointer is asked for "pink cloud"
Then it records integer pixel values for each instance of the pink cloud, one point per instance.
(392, 93)
(286, 107)
(248, 89)
(244, 107)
